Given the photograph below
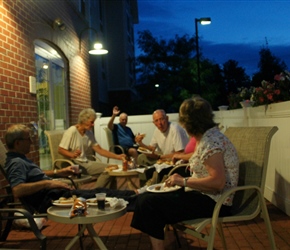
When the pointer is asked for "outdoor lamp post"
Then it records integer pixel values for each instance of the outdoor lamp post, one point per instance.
(202, 21)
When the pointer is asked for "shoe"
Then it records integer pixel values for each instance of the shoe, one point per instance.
(142, 190)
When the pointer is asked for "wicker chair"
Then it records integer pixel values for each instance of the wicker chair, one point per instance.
(253, 146)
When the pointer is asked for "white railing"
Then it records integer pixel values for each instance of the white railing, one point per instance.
(277, 188)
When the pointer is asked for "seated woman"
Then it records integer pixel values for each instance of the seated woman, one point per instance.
(214, 169)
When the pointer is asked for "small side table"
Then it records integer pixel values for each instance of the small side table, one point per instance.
(61, 215)
(126, 176)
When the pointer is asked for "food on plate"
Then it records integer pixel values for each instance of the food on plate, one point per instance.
(143, 149)
(63, 200)
(168, 162)
(157, 187)
(170, 188)
(93, 202)
(111, 167)
(79, 207)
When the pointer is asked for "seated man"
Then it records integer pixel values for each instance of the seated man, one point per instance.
(167, 140)
(34, 186)
(124, 134)
(78, 142)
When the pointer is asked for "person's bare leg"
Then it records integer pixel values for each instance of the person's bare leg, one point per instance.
(157, 244)
(133, 153)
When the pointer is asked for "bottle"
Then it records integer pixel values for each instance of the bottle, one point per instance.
(125, 164)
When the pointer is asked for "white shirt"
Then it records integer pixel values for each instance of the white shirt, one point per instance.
(73, 140)
(173, 140)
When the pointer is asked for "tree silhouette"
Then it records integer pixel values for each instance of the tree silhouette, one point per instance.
(269, 65)
(172, 65)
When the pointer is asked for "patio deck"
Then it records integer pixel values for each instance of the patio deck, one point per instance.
(117, 234)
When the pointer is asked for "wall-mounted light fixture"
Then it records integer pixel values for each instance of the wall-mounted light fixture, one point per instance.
(58, 23)
(96, 48)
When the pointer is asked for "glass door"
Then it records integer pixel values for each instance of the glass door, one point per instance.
(51, 89)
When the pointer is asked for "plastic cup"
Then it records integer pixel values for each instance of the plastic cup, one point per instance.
(101, 197)
(76, 168)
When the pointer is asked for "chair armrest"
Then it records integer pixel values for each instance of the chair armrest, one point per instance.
(229, 192)
(116, 146)
(26, 215)
(62, 160)
(184, 165)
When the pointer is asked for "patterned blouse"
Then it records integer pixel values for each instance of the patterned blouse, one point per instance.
(212, 142)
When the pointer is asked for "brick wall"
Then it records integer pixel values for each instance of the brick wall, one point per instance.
(21, 22)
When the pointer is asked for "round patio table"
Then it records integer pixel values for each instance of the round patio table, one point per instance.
(62, 215)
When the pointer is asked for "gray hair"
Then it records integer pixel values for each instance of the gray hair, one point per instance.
(15, 132)
(160, 111)
(86, 114)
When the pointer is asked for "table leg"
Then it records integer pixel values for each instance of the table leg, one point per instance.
(93, 235)
(74, 240)
(96, 237)
(123, 183)
(129, 180)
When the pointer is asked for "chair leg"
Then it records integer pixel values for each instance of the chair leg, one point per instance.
(177, 237)
(6, 230)
(221, 233)
(266, 218)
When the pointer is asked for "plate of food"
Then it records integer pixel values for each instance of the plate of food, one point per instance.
(160, 188)
(94, 202)
(112, 168)
(165, 161)
(64, 202)
(144, 150)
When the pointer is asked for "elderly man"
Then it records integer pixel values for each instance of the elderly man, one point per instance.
(123, 134)
(167, 140)
(36, 187)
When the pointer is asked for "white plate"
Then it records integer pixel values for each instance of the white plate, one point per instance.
(93, 201)
(145, 151)
(164, 190)
(57, 203)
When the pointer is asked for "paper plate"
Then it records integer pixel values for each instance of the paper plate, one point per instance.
(153, 189)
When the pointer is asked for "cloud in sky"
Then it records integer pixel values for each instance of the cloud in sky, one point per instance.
(238, 31)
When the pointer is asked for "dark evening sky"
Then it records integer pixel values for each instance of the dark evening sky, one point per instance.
(238, 31)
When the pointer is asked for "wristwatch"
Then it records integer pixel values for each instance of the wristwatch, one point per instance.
(185, 181)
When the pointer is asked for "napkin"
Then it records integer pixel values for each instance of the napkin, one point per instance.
(159, 167)
(115, 202)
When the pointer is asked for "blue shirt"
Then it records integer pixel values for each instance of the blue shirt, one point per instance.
(19, 170)
(124, 135)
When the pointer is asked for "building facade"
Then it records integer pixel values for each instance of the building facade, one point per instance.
(45, 73)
